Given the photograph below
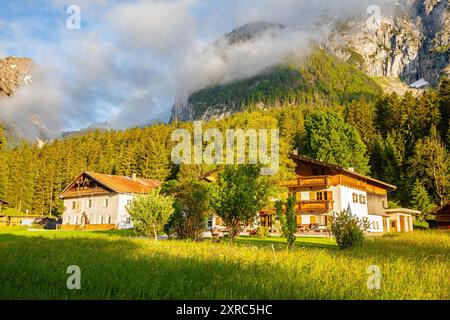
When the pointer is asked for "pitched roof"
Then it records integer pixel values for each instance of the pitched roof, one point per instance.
(441, 207)
(3, 202)
(403, 210)
(118, 184)
(342, 169)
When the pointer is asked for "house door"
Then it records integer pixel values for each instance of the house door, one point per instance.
(393, 225)
(84, 220)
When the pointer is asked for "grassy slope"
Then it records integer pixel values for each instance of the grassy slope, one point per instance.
(394, 84)
(33, 265)
(322, 78)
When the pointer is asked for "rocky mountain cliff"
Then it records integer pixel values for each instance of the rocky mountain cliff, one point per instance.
(411, 42)
(14, 72)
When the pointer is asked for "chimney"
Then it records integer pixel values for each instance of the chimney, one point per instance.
(351, 169)
(133, 176)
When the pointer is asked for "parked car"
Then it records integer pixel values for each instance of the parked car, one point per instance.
(49, 223)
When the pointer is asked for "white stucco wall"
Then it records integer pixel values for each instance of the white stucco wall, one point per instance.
(124, 218)
(346, 198)
(95, 212)
(376, 223)
(304, 196)
(306, 219)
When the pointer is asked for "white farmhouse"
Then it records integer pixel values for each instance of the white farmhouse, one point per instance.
(322, 188)
(98, 201)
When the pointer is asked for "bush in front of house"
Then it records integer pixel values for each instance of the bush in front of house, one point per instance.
(151, 212)
(240, 193)
(262, 232)
(420, 225)
(191, 209)
(348, 229)
(288, 220)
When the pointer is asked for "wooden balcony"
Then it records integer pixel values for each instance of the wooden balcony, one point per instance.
(315, 206)
(308, 182)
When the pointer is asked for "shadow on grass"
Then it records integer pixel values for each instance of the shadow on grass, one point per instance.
(35, 268)
(120, 268)
(117, 233)
(280, 243)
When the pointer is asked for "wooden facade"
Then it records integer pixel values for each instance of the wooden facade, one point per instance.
(442, 217)
(3, 203)
(323, 188)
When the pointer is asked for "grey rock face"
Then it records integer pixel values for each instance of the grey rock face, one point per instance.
(412, 42)
(14, 72)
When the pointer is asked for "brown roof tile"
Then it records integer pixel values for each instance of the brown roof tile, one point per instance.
(123, 184)
(116, 184)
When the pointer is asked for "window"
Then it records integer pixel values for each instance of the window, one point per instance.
(105, 203)
(76, 220)
(128, 221)
(101, 219)
(355, 197)
(322, 220)
(318, 171)
(109, 219)
(320, 196)
(362, 199)
(129, 201)
(74, 204)
(89, 203)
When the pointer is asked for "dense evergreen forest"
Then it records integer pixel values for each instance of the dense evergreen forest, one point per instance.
(401, 140)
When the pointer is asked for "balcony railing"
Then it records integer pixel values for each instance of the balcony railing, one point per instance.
(315, 206)
(310, 181)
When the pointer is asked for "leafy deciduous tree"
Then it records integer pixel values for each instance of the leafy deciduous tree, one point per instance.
(240, 194)
(151, 212)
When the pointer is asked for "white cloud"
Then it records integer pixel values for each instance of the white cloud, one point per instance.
(132, 60)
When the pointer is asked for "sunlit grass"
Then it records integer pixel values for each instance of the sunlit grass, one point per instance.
(116, 266)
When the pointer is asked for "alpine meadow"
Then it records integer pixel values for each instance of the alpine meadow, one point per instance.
(256, 155)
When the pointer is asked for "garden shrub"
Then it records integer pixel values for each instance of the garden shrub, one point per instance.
(348, 229)
(262, 232)
(420, 225)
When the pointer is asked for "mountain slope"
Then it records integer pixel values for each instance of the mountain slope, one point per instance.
(14, 72)
(321, 78)
(409, 41)
(412, 42)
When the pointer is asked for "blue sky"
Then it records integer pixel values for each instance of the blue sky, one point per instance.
(42, 20)
(132, 60)
(115, 69)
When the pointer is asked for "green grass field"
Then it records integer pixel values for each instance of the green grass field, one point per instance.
(115, 265)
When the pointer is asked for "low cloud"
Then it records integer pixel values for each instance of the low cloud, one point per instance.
(131, 61)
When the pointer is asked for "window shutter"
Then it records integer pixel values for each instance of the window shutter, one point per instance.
(312, 196)
(330, 195)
